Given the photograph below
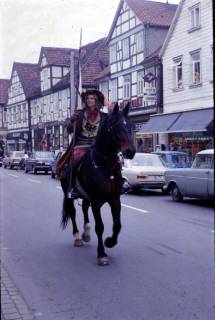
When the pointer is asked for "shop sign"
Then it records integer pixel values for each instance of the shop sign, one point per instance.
(135, 103)
(16, 135)
(137, 126)
(150, 94)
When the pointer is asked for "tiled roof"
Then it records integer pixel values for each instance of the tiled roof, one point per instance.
(4, 84)
(103, 74)
(154, 13)
(94, 58)
(56, 56)
(152, 56)
(29, 76)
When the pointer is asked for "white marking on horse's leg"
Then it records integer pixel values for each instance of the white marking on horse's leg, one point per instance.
(76, 236)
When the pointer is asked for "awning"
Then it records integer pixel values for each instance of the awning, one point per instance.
(196, 120)
(187, 121)
(160, 123)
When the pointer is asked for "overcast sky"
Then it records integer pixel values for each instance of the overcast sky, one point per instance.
(27, 25)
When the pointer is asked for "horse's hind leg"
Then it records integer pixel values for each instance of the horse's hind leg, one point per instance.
(115, 205)
(69, 211)
(86, 234)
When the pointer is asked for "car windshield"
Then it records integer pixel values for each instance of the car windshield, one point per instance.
(18, 154)
(44, 154)
(146, 160)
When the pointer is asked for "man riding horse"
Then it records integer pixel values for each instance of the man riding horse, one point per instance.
(84, 125)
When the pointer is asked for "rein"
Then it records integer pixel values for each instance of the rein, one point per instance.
(96, 166)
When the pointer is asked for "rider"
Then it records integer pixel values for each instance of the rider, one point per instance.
(84, 125)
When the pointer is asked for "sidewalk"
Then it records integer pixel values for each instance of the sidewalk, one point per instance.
(13, 305)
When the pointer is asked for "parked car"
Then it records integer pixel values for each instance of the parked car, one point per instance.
(175, 159)
(194, 182)
(39, 161)
(145, 170)
(54, 163)
(13, 159)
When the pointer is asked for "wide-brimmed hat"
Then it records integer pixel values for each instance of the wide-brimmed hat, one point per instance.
(94, 92)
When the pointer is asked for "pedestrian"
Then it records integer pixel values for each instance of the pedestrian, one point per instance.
(84, 124)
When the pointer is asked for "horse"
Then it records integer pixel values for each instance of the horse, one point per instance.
(99, 180)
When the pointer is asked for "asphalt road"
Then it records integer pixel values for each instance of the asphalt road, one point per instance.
(161, 269)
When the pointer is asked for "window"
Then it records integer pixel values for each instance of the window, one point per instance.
(127, 87)
(139, 41)
(125, 48)
(113, 53)
(140, 83)
(177, 73)
(195, 16)
(114, 90)
(195, 67)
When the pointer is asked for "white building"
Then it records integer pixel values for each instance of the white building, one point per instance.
(187, 57)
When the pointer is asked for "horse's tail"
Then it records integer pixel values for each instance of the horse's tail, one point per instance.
(65, 212)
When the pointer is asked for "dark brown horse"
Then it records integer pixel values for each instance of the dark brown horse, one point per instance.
(99, 178)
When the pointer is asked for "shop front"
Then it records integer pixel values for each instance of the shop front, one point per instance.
(18, 141)
(190, 131)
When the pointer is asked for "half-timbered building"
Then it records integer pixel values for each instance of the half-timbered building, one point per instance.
(136, 35)
(51, 109)
(24, 84)
(4, 84)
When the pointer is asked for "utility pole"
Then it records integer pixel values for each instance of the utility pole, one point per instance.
(72, 82)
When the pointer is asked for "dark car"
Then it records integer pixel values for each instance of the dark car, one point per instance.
(54, 163)
(175, 159)
(39, 161)
(13, 159)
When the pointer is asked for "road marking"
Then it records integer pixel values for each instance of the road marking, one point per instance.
(35, 181)
(13, 175)
(134, 208)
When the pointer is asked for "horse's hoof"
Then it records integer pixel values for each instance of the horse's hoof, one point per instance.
(109, 242)
(86, 238)
(78, 243)
(103, 261)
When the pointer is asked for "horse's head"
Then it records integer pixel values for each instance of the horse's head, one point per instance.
(119, 132)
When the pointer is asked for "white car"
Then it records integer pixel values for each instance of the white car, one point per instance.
(145, 170)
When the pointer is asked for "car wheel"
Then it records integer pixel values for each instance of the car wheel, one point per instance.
(5, 166)
(35, 170)
(176, 194)
(10, 166)
(26, 170)
(53, 175)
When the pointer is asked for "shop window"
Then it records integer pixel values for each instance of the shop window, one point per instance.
(177, 73)
(195, 68)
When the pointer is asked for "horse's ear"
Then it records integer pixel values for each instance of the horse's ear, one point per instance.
(126, 109)
(116, 108)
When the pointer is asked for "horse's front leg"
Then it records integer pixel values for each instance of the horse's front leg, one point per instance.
(99, 229)
(85, 208)
(115, 205)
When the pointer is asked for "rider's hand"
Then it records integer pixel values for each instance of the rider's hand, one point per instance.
(75, 116)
